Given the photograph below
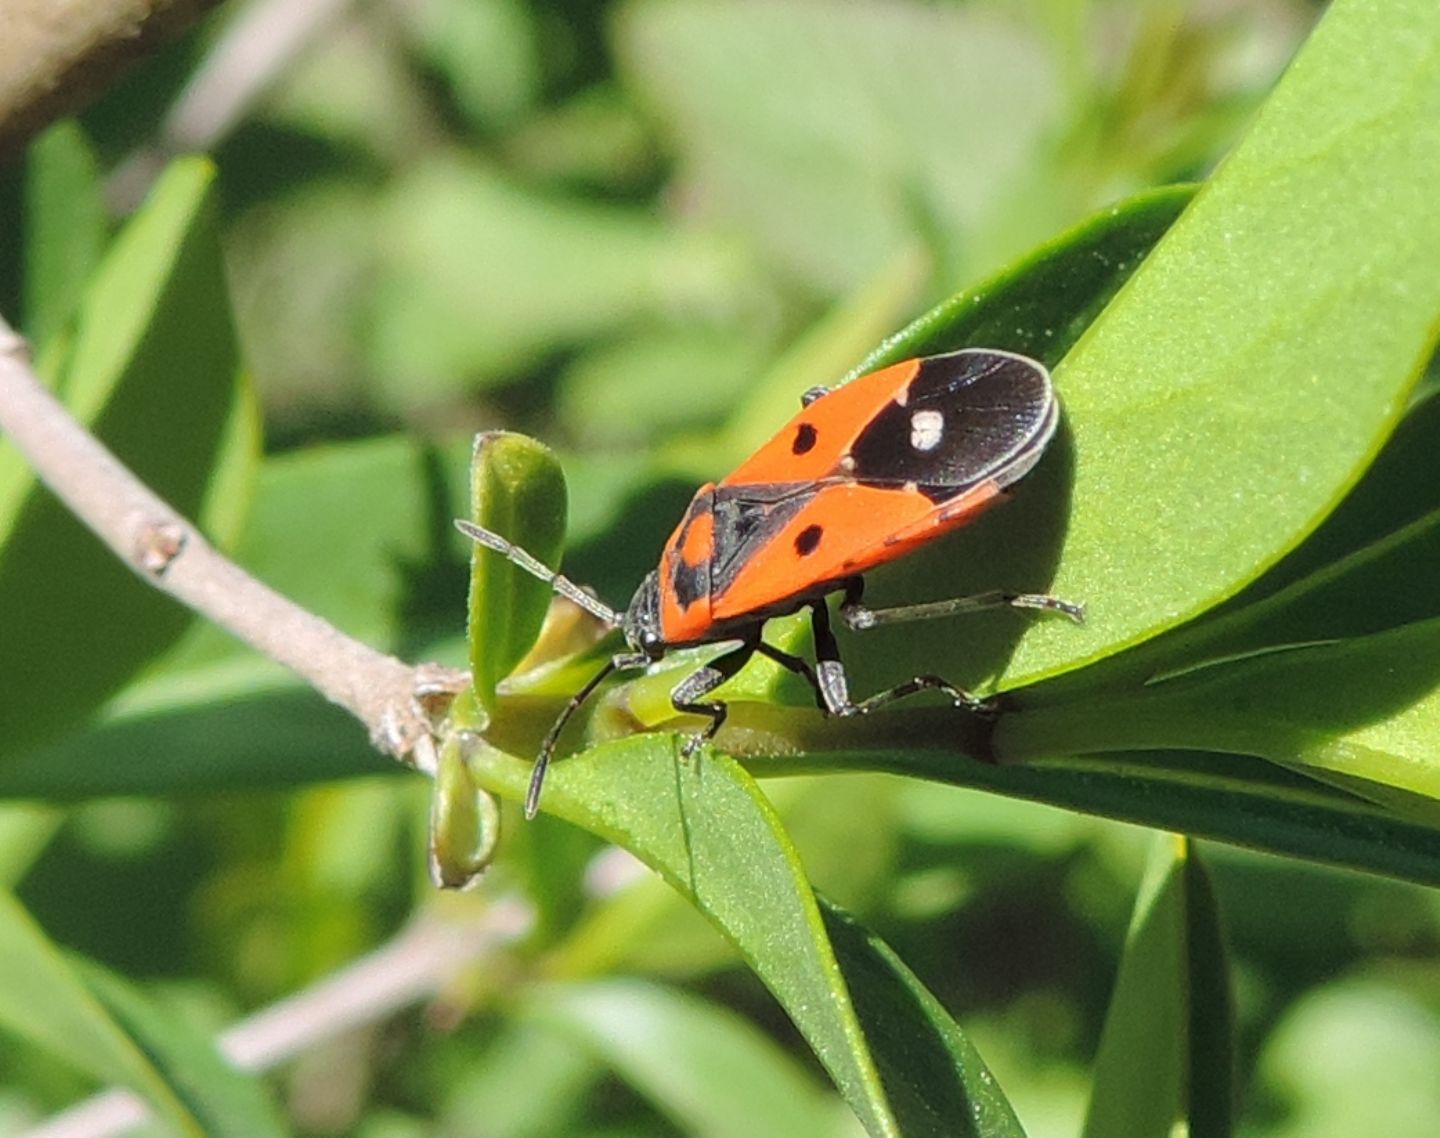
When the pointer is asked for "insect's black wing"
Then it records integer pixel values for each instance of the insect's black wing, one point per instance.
(967, 417)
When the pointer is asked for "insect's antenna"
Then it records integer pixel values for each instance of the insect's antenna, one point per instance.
(534, 566)
(547, 748)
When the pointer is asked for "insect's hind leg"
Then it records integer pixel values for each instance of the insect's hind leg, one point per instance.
(830, 672)
(689, 694)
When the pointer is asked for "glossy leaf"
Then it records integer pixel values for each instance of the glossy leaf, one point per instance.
(1232, 393)
(1042, 304)
(707, 829)
(1363, 711)
(154, 372)
(1041, 307)
(1395, 493)
(1392, 582)
(931, 1071)
(1166, 1053)
(1233, 798)
(517, 491)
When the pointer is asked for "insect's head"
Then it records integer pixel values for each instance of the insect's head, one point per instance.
(641, 623)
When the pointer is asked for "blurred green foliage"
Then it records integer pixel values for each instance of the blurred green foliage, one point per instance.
(638, 231)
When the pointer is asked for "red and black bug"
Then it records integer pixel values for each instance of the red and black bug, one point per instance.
(862, 475)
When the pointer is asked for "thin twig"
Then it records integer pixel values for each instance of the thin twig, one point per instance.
(386, 694)
(421, 961)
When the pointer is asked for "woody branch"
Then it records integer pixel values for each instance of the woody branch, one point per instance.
(387, 695)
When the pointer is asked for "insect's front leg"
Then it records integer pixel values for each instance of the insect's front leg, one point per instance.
(689, 694)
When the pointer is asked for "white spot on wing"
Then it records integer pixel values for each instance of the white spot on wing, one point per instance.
(927, 427)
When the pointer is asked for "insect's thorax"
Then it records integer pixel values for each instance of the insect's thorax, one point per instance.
(708, 585)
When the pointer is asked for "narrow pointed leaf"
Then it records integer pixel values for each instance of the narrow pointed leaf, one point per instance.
(1165, 1052)
(225, 1102)
(933, 1074)
(43, 1002)
(706, 827)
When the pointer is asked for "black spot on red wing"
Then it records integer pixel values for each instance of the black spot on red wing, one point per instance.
(805, 437)
(690, 582)
(808, 540)
(997, 412)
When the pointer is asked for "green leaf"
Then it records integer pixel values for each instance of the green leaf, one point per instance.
(65, 230)
(1252, 368)
(43, 1002)
(1362, 712)
(25, 831)
(901, 1063)
(1396, 492)
(1233, 798)
(705, 827)
(689, 1057)
(932, 1073)
(1393, 582)
(517, 491)
(1355, 1056)
(487, 53)
(223, 1102)
(1039, 306)
(1166, 1053)
(154, 372)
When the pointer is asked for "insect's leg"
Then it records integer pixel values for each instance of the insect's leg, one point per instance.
(552, 737)
(830, 679)
(825, 647)
(958, 696)
(797, 665)
(857, 617)
(689, 694)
